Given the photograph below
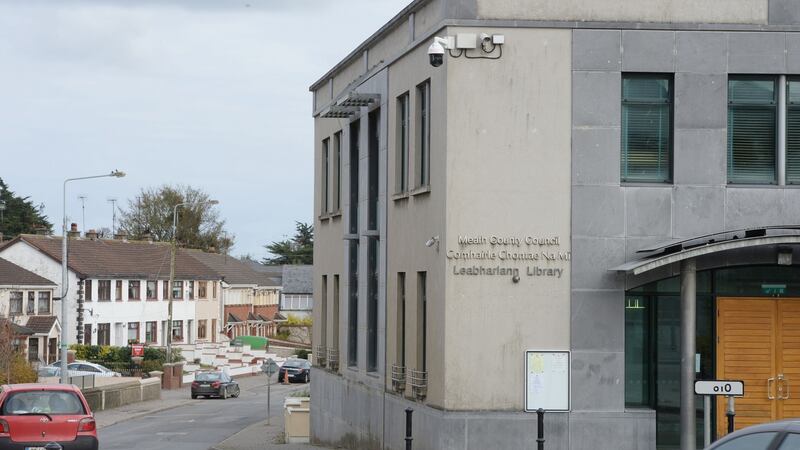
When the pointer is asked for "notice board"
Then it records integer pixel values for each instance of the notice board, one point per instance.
(546, 380)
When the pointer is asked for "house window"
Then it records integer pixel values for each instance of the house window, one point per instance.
(355, 151)
(15, 302)
(323, 312)
(151, 332)
(202, 289)
(31, 308)
(646, 154)
(134, 290)
(87, 334)
(133, 332)
(44, 303)
(793, 131)
(752, 130)
(401, 185)
(104, 290)
(118, 291)
(177, 290)
(152, 290)
(213, 289)
(423, 159)
(177, 331)
(401, 319)
(337, 171)
(325, 183)
(352, 304)
(104, 331)
(372, 304)
(422, 321)
(372, 168)
(201, 329)
(191, 290)
(165, 289)
(87, 286)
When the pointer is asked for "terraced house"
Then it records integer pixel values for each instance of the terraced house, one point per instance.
(123, 287)
(582, 206)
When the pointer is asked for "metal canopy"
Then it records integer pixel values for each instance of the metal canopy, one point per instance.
(358, 100)
(666, 257)
(338, 112)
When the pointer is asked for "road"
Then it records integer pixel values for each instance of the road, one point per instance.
(199, 425)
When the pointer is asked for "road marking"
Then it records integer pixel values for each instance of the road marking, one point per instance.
(171, 433)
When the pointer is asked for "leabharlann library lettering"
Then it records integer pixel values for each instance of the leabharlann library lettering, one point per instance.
(509, 249)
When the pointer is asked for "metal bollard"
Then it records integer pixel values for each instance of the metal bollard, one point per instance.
(408, 428)
(540, 430)
(731, 413)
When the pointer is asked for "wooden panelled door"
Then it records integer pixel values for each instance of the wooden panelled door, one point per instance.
(758, 342)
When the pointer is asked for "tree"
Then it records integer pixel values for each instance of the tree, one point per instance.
(20, 214)
(298, 250)
(149, 215)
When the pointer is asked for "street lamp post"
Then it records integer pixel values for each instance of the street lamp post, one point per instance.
(173, 251)
(64, 273)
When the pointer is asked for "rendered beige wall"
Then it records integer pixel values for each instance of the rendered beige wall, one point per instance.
(412, 220)
(694, 11)
(508, 164)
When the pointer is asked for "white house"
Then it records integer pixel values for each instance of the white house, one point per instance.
(27, 299)
(123, 288)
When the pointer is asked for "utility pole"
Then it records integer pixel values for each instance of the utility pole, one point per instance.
(113, 202)
(83, 212)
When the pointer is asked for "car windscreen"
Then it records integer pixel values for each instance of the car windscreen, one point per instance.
(295, 364)
(207, 376)
(46, 402)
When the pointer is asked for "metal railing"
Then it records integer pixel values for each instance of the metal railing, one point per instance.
(419, 383)
(398, 378)
(333, 359)
(320, 354)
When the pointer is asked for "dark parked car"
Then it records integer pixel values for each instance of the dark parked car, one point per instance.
(214, 384)
(298, 369)
(783, 435)
(45, 416)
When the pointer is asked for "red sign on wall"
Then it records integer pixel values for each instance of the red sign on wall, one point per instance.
(137, 350)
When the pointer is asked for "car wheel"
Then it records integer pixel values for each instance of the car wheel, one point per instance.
(224, 393)
(194, 396)
(306, 379)
(236, 392)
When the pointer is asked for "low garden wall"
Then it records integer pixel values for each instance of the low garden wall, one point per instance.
(122, 391)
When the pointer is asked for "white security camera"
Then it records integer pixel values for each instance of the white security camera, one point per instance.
(436, 50)
(436, 54)
(433, 241)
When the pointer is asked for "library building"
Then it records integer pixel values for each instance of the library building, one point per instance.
(579, 206)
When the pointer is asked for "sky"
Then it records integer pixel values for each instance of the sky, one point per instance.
(207, 93)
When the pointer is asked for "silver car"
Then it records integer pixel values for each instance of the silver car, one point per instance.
(783, 435)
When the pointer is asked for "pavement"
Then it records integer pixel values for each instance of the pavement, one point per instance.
(233, 425)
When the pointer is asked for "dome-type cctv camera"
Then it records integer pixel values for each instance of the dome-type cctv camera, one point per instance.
(436, 53)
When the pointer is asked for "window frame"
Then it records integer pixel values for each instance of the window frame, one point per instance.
(670, 78)
(87, 290)
(403, 144)
(11, 301)
(103, 290)
(48, 297)
(154, 290)
(152, 332)
(423, 135)
(202, 290)
(134, 290)
(775, 106)
(325, 194)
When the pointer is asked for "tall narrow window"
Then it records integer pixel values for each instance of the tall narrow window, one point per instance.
(152, 290)
(104, 290)
(372, 169)
(423, 159)
(401, 319)
(165, 290)
(118, 291)
(646, 154)
(752, 130)
(134, 290)
(31, 308)
(177, 290)
(793, 132)
(354, 161)
(133, 332)
(422, 321)
(335, 322)
(87, 287)
(323, 312)
(337, 171)
(352, 304)
(151, 332)
(44, 303)
(401, 174)
(372, 304)
(324, 179)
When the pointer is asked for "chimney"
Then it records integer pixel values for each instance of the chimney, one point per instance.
(73, 231)
(91, 234)
(121, 235)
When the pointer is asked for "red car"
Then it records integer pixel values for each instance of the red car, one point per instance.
(45, 417)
